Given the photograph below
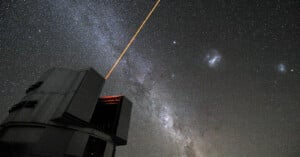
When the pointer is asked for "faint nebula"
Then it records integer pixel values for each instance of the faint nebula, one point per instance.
(213, 58)
(173, 76)
(281, 68)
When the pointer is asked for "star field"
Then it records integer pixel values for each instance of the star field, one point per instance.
(206, 78)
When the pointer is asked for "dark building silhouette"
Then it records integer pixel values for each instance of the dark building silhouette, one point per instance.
(61, 115)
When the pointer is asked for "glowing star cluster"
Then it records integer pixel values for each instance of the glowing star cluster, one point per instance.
(187, 140)
(281, 68)
(165, 118)
(213, 58)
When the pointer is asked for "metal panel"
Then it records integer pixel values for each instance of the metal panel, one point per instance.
(53, 142)
(110, 150)
(86, 96)
(63, 95)
(112, 116)
(77, 144)
(60, 81)
(124, 120)
(43, 111)
(21, 135)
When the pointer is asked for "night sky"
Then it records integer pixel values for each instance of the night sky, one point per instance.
(206, 78)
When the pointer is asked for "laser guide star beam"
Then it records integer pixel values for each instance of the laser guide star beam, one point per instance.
(61, 115)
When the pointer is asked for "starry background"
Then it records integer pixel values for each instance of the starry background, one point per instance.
(207, 78)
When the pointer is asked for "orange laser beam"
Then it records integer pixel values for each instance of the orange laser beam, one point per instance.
(131, 40)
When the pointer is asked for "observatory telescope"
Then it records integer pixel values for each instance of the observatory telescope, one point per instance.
(63, 115)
